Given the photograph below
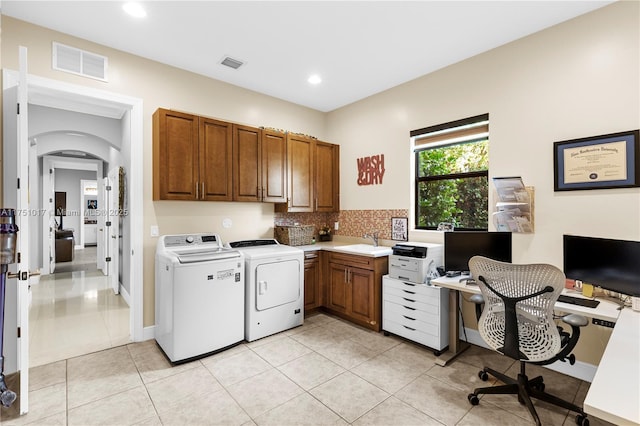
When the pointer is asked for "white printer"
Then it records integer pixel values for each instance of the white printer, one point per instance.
(416, 262)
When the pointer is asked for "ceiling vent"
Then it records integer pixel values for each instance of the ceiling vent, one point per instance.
(79, 62)
(232, 63)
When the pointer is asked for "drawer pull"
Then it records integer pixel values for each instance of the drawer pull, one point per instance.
(409, 328)
(406, 283)
(409, 318)
(409, 300)
(408, 307)
(410, 292)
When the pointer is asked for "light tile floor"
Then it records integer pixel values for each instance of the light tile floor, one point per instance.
(325, 372)
(75, 312)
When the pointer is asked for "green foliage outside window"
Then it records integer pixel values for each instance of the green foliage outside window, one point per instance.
(451, 185)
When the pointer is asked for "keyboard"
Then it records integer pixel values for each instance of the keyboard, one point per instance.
(588, 303)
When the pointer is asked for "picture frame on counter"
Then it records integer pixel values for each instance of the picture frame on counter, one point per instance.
(399, 228)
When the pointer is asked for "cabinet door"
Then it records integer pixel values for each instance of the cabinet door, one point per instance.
(215, 160)
(274, 167)
(247, 184)
(361, 287)
(327, 177)
(338, 292)
(175, 155)
(311, 281)
(301, 173)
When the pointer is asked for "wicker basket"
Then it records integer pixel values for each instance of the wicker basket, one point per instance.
(294, 235)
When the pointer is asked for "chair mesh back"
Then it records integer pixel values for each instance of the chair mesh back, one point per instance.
(538, 335)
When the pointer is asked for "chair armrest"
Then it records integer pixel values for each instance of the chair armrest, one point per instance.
(575, 320)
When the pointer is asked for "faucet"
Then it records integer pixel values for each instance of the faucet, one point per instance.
(373, 236)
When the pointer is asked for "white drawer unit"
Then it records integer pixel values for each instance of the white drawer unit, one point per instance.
(418, 312)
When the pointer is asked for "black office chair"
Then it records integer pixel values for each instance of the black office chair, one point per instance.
(517, 321)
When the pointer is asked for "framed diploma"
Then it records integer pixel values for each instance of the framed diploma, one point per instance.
(598, 162)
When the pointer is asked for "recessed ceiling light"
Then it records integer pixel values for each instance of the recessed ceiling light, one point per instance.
(314, 79)
(134, 9)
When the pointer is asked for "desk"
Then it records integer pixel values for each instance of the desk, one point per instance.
(606, 310)
(614, 394)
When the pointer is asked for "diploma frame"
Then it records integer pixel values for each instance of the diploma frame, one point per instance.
(631, 164)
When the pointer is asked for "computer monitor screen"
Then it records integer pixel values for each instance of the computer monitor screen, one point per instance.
(611, 264)
(460, 246)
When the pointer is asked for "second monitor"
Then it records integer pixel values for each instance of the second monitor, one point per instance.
(460, 246)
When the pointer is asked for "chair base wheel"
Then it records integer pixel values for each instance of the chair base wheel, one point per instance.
(483, 375)
(582, 420)
(473, 399)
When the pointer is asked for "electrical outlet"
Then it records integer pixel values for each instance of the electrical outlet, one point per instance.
(602, 322)
(336, 226)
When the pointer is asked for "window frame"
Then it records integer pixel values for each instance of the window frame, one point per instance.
(444, 135)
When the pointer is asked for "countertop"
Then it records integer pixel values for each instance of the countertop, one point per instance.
(333, 246)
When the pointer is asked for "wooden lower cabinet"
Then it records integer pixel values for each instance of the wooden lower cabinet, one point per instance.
(353, 288)
(312, 293)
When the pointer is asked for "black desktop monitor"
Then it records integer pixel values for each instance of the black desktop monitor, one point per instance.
(460, 246)
(611, 264)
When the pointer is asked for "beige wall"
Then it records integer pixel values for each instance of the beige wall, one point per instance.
(164, 86)
(578, 79)
(574, 80)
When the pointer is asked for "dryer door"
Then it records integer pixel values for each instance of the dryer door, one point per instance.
(277, 283)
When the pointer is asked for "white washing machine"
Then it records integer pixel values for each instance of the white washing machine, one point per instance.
(199, 295)
(274, 277)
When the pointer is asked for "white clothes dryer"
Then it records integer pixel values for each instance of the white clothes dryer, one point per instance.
(199, 296)
(274, 279)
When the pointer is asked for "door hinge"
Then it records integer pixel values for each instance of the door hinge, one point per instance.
(107, 188)
(108, 223)
(18, 183)
(19, 257)
(19, 332)
(18, 108)
(50, 171)
(107, 259)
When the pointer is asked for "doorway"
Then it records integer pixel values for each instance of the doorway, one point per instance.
(83, 99)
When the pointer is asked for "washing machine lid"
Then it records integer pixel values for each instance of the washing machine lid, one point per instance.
(193, 256)
(263, 248)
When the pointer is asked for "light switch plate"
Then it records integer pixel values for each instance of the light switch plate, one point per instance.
(155, 232)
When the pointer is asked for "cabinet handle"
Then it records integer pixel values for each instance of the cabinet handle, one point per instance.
(197, 193)
(409, 307)
(262, 193)
(409, 284)
(202, 190)
(345, 276)
(316, 202)
(410, 292)
(409, 300)
(409, 328)
(409, 318)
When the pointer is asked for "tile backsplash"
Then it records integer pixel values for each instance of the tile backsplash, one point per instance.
(353, 223)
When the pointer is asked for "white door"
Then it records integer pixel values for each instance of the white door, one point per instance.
(51, 225)
(114, 229)
(16, 194)
(104, 231)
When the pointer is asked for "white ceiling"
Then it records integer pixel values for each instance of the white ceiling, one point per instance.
(359, 48)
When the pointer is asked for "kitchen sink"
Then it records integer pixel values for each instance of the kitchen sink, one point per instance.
(365, 249)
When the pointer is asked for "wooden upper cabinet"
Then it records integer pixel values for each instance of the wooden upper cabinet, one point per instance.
(301, 170)
(246, 163)
(175, 155)
(215, 160)
(274, 166)
(327, 177)
(314, 176)
(260, 165)
(191, 157)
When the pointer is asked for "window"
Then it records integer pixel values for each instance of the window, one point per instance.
(451, 174)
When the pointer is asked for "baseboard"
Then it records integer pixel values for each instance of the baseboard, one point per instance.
(149, 333)
(125, 294)
(579, 370)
